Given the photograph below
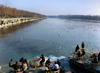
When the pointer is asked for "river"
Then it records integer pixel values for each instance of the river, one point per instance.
(52, 37)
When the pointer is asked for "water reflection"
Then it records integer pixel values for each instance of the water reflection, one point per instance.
(13, 28)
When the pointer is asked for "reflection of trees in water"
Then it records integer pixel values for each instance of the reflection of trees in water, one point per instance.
(15, 28)
(35, 21)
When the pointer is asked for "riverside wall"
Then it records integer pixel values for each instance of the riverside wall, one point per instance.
(7, 22)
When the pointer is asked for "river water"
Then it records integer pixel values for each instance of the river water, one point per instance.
(52, 37)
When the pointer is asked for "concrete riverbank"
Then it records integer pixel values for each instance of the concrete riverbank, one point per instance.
(5, 23)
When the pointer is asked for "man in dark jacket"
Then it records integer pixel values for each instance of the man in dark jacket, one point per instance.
(16, 66)
(58, 62)
(62, 70)
(43, 60)
(82, 45)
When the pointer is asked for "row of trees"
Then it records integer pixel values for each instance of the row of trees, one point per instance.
(84, 17)
(13, 12)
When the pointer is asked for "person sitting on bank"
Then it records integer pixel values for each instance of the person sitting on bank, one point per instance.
(48, 62)
(22, 60)
(26, 61)
(10, 63)
(55, 67)
(16, 67)
(62, 70)
(94, 59)
(43, 60)
(77, 48)
(58, 62)
(78, 54)
(99, 56)
(83, 52)
(92, 56)
(24, 67)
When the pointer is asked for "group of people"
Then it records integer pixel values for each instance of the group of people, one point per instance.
(55, 66)
(22, 64)
(80, 51)
(95, 58)
(48, 62)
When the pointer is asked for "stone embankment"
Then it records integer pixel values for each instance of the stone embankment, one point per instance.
(7, 22)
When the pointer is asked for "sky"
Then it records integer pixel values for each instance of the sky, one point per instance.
(56, 7)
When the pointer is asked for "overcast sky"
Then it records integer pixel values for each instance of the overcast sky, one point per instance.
(56, 7)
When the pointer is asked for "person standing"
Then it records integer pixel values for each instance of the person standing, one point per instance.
(99, 56)
(77, 48)
(82, 45)
(43, 60)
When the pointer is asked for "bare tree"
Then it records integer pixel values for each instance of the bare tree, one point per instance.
(13, 12)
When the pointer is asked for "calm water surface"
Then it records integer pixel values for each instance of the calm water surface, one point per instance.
(52, 37)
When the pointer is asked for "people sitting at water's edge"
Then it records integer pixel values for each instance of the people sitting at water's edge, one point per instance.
(10, 63)
(83, 52)
(62, 70)
(43, 60)
(78, 54)
(16, 66)
(24, 66)
(48, 62)
(94, 59)
(26, 61)
(58, 62)
(19, 66)
(55, 67)
(22, 60)
(77, 48)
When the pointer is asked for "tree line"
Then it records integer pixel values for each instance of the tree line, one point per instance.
(8, 12)
(83, 17)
